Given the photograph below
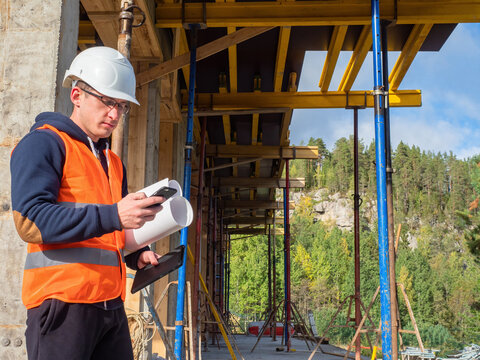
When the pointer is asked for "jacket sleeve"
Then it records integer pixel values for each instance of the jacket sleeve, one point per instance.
(36, 168)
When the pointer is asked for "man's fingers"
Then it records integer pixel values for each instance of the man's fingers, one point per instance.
(139, 196)
(149, 218)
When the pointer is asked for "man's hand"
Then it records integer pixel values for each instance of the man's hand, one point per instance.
(147, 257)
(134, 211)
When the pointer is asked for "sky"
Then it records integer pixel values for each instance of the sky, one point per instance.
(448, 120)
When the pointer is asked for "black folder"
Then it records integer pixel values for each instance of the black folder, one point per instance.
(166, 264)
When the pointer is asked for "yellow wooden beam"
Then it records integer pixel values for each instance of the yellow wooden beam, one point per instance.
(412, 46)
(301, 100)
(203, 52)
(250, 204)
(251, 220)
(264, 152)
(257, 182)
(225, 118)
(86, 32)
(232, 62)
(287, 117)
(360, 51)
(318, 13)
(282, 48)
(336, 43)
(248, 231)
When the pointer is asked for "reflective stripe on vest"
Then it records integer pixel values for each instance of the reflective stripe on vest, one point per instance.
(75, 205)
(54, 257)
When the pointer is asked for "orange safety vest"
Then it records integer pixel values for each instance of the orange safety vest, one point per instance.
(87, 271)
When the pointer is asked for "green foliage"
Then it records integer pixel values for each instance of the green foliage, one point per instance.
(438, 258)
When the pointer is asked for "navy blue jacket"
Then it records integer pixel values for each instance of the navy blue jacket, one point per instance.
(36, 168)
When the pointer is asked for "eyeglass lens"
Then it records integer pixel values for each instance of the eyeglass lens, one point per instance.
(110, 103)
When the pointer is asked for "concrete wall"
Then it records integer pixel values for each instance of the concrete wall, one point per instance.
(33, 56)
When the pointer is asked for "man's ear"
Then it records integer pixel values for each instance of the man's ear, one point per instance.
(75, 95)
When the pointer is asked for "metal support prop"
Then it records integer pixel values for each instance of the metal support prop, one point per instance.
(215, 253)
(286, 223)
(222, 264)
(356, 225)
(187, 178)
(227, 288)
(383, 257)
(198, 236)
(389, 173)
(210, 262)
(124, 43)
(274, 270)
(269, 267)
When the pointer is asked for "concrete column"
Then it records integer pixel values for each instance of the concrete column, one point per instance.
(38, 40)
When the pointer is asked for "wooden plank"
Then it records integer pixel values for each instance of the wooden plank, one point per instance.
(248, 231)
(282, 48)
(137, 137)
(145, 37)
(412, 47)
(300, 100)
(203, 52)
(250, 204)
(363, 45)
(232, 62)
(264, 152)
(336, 43)
(104, 17)
(248, 182)
(136, 156)
(318, 13)
(251, 220)
(165, 170)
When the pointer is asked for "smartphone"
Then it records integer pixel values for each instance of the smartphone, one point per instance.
(165, 191)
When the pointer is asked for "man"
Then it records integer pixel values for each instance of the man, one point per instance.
(70, 204)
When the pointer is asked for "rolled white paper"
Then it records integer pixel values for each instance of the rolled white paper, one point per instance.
(176, 214)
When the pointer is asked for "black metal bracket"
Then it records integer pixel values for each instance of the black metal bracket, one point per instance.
(364, 106)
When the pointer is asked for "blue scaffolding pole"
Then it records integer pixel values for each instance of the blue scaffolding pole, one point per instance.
(187, 178)
(380, 158)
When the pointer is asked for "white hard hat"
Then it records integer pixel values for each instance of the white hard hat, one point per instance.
(106, 70)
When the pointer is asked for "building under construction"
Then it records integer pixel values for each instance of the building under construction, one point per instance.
(217, 82)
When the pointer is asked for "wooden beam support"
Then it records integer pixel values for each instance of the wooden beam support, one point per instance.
(247, 231)
(251, 220)
(239, 112)
(359, 54)
(412, 46)
(318, 13)
(282, 48)
(233, 164)
(232, 61)
(250, 204)
(300, 100)
(247, 182)
(203, 52)
(264, 152)
(336, 43)
(86, 32)
(137, 141)
(104, 16)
